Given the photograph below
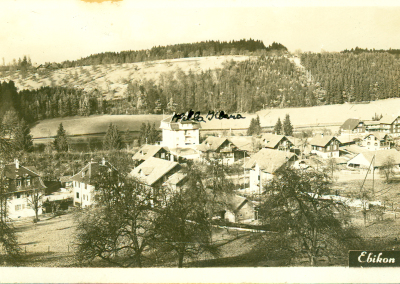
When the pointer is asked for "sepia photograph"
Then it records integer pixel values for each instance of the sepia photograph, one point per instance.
(190, 137)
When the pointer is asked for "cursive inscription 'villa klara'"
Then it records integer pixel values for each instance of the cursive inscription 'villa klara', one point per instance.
(196, 116)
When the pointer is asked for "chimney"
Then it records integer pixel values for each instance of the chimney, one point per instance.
(16, 163)
(171, 158)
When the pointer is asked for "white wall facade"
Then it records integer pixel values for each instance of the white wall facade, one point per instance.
(257, 176)
(19, 207)
(82, 194)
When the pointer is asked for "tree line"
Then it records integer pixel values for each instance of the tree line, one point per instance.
(246, 86)
(354, 77)
(198, 49)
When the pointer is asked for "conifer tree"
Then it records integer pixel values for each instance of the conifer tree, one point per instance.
(61, 142)
(287, 126)
(278, 127)
(22, 137)
(112, 140)
(255, 127)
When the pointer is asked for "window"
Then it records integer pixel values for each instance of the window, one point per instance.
(19, 183)
(376, 144)
(77, 195)
(83, 197)
(368, 143)
(18, 195)
(28, 182)
(18, 207)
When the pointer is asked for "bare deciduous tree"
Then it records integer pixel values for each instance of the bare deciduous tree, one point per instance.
(387, 168)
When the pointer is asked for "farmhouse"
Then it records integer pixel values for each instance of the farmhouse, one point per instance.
(390, 124)
(352, 125)
(155, 173)
(247, 144)
(148, 151)
(377, 141)
(238, 209)
(277, 142)
(220, 148)
(376, 158)
(264, 164)
(24, 186)
(82, 182)
(179, 133)
(325, 146)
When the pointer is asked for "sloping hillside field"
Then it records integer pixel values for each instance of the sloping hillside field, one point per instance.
(331, 115)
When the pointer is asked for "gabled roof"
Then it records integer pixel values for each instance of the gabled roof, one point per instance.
(175, 179)
(151, 170)
(271, 140)
(350, 124)
(147, 151)
(388, 119)
(243, 143)
(211, 144)
(269, 160)
(381, 156)
(91, 170)
(321, 141)
(354, 149)
(11, 172)
(379, 135)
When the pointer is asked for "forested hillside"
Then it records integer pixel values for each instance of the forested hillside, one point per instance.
(198, 49)
(355, 77)
(245, 86)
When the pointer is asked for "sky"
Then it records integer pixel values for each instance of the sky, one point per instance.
(50, 30)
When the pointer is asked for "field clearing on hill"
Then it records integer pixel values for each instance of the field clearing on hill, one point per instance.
(112, 79)
(329, 116)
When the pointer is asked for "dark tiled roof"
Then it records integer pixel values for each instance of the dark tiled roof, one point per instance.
(12, 172)
(350, 124)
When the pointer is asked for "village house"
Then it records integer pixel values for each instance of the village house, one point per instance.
(352, 126)
(377, 141)
(24, 186)
(154, 173)
(179, 134)
(276, 142)
(372, 126)
(377, 159)
(390, 124)
(264, 164)
(248, 144)
(325, 146)
(220, 148)
(238, 209)
(83, 182)
(148, 151)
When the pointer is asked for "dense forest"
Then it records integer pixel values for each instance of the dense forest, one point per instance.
(199, 49)
(245, 86)
(354, 77)
(359, 50)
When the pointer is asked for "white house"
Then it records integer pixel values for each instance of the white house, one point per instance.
(377, 141)
(325, 146)
(264, 164)
(179, 134)
(24, 186)
(82, 182)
